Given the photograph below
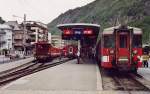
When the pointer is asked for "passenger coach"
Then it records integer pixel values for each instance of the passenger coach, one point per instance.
(120, 47)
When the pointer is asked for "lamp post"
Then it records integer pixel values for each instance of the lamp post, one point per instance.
(24, 32)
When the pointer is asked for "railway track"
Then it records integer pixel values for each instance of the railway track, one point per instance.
(114, 80)
(24, 70)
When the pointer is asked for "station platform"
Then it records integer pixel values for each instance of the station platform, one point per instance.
(67, 78)
(12, 64)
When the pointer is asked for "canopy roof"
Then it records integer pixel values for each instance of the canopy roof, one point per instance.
(78, 25)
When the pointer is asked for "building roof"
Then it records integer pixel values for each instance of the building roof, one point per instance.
(36, 23)
(111, 30)
(4, 26)
(14, 24)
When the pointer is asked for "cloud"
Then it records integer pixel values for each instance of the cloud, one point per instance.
(41, 10)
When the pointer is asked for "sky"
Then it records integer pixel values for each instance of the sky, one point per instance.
(37, 10)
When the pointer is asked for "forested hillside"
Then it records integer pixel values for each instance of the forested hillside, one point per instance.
(109, 13)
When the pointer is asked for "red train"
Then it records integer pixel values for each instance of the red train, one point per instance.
(120, 47)
(45, 51)
(42, 51)
(70, 51)
(54, 52)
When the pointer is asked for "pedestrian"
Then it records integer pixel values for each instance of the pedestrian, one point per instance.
(78, 57)
(60, 57)
(145, 61)
(148, 61)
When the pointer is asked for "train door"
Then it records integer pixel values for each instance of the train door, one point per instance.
(70, 50)
(123, 47)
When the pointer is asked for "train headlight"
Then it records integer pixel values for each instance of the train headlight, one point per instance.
(135, 51)
(111, 51)
(139, 57)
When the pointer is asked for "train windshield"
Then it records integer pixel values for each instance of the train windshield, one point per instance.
(44, 46)
(109, 41)
(137, 41)
(123, 41)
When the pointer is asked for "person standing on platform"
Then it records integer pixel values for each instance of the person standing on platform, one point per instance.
(78, 52)
(78, 57)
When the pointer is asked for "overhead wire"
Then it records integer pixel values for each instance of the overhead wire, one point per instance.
(28, 5)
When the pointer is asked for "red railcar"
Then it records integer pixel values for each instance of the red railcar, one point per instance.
(54, 52)
(42, 51)
(120, 47)
(69, 51)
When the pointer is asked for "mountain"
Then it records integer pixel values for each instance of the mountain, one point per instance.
(109, 13)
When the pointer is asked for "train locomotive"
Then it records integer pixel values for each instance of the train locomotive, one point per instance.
(42, 51)
(120, 47)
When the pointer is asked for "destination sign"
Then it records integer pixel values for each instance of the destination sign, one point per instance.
(88, 32)
(67, 32)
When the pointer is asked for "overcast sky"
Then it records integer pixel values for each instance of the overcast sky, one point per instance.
(37, 10)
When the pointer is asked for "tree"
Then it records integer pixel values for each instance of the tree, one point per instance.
(1, 20)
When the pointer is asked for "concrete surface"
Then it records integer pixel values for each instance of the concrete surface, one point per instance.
(3, 58)
(145, 72)
(67, 78)
(6, 66)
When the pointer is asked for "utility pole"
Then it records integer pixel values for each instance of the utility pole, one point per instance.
(149, 39)
(24, 35)
(24, 32)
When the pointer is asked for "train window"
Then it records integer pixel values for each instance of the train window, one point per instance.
(123, 41)
(70, 49)
(109, 41)
(137, 41)
(40, 47)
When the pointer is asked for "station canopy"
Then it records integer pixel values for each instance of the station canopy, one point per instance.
(77, 31)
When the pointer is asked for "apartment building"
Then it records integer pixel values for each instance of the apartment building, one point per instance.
(6, 39)
(20, 37)
(37, 31)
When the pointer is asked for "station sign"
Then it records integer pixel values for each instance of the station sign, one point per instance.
(88, 32)
(67, 32)
(77, 33)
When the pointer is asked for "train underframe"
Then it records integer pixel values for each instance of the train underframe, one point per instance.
(43, 58)
(121, 66)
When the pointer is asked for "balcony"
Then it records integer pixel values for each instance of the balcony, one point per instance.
(18, 37)
(2, 41)
(18, 44)
(2, 32)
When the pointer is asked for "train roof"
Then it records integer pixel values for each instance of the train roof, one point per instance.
(110, 30)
